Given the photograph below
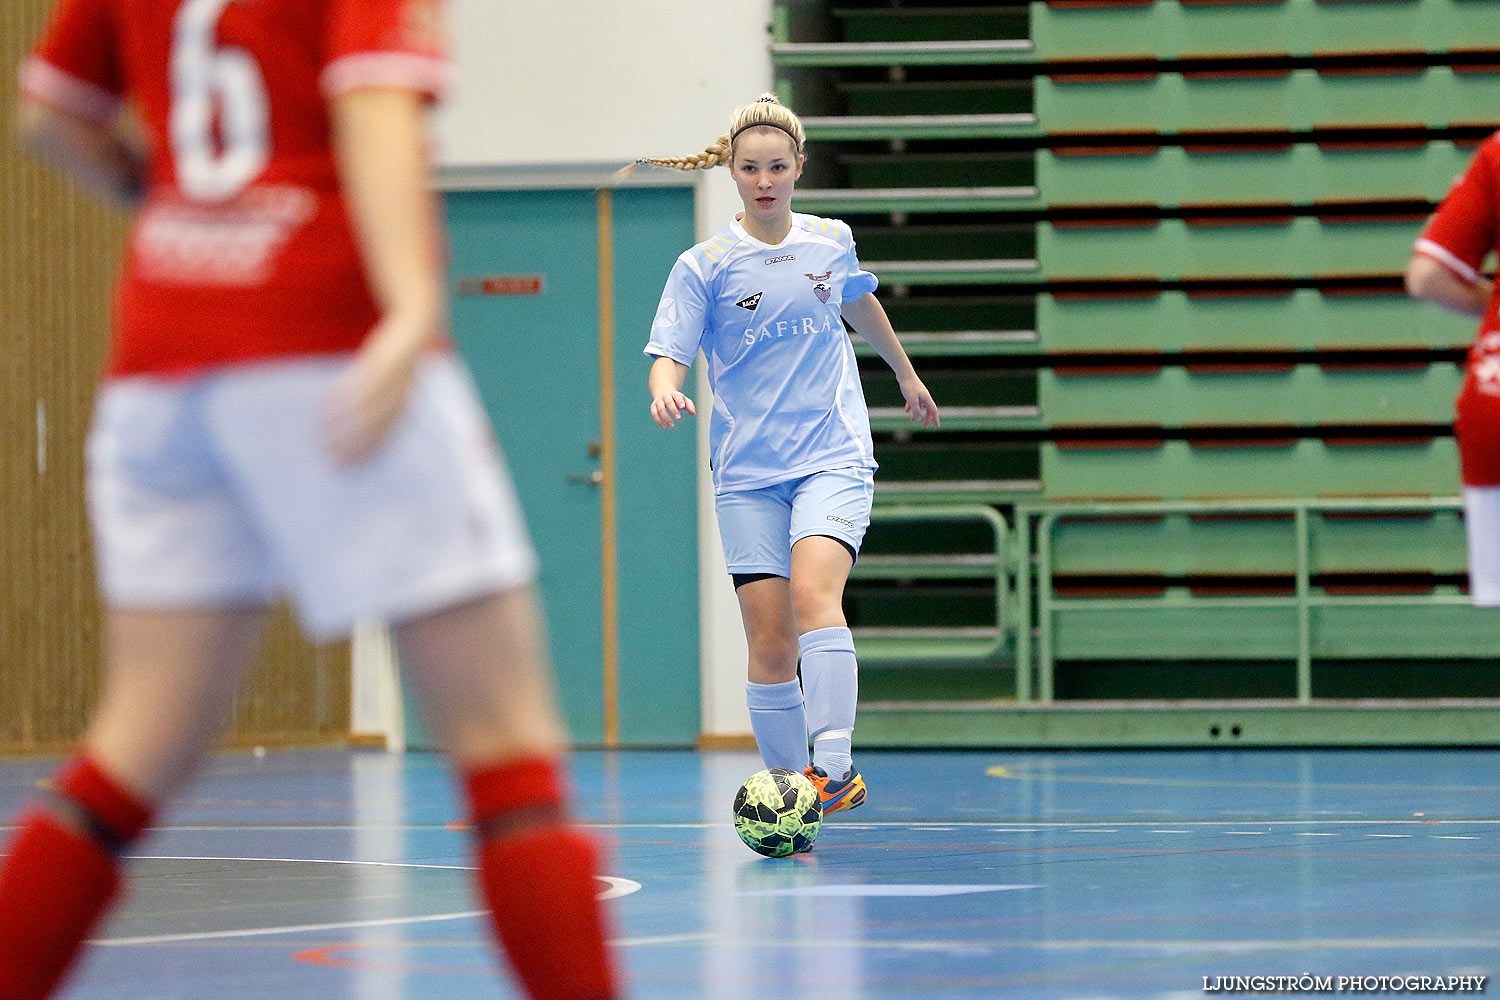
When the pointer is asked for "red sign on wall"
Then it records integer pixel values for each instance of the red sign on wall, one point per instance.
(502, 284)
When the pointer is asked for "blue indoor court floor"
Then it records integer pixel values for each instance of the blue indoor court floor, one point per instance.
(1051, 875)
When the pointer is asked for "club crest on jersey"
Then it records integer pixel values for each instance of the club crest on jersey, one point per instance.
(1487, 376)
(821, 291)
(751, 302)
(815, 278)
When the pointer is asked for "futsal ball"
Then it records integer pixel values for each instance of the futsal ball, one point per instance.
(777, 812)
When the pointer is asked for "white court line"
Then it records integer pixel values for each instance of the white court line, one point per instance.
(1103, 779)
(945, 944)
(1002, 826)
(292, 929)
(352, 925)
(1168, 945)
(997, 826)
(1269, 944)
(302, 861)
(879, 824)
(617, 887)
(662, 939)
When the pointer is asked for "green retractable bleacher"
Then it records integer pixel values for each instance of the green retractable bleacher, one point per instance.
(1149, 255)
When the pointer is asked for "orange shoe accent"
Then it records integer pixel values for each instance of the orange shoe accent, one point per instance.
(837, 796)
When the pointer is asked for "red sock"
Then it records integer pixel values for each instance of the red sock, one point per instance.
(537, 874)
(57, 881)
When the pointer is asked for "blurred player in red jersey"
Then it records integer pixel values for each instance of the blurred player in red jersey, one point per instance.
(1445, 269)
(283, 413)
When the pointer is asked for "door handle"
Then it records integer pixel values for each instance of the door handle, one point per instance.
(592, 479)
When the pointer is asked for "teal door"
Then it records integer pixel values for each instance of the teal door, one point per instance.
(554, 342)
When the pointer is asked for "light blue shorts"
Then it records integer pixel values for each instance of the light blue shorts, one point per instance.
(759, 527)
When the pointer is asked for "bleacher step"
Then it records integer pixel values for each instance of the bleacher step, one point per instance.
(977, 490)
(883, 643)
(1139, 723)
(971, 52)
(947, 566)
(883, 127)
(916, 199)
(953, 272)
(960, 418)
(958, 343)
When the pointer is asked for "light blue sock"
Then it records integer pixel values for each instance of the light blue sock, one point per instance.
(830, 676)
(779, 723)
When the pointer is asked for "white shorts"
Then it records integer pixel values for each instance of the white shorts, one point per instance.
(219, 491)
(759, 527)
(1482, 528)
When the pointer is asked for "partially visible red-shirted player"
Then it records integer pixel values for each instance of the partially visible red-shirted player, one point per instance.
(282, 414)
(1445, 269)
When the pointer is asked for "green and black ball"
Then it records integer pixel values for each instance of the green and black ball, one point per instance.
(777, 813)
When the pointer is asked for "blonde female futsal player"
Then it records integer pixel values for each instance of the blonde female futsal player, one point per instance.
(1445, 269)
(792, 461)
(282, 411)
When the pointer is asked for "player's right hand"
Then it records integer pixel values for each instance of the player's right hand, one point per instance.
(369, 397)
(667, 408)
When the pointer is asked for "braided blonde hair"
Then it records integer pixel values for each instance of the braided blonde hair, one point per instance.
(765, 112)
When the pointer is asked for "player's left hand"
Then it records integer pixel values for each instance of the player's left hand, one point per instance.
(368, 398)
(919, 405)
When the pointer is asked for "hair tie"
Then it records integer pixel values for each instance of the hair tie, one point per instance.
(736, 134)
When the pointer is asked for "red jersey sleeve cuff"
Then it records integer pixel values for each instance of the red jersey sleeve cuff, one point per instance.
(405, 70)
(1447, 258)
(44, 82)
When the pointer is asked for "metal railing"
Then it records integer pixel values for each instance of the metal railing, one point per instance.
(976, 643)
(1036, 604)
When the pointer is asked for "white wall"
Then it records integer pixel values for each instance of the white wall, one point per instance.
(598, 81)
(573, 91)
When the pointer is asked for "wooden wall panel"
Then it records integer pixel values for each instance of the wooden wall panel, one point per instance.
(58, 254)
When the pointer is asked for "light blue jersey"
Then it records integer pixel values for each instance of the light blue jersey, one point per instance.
(787, 398)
